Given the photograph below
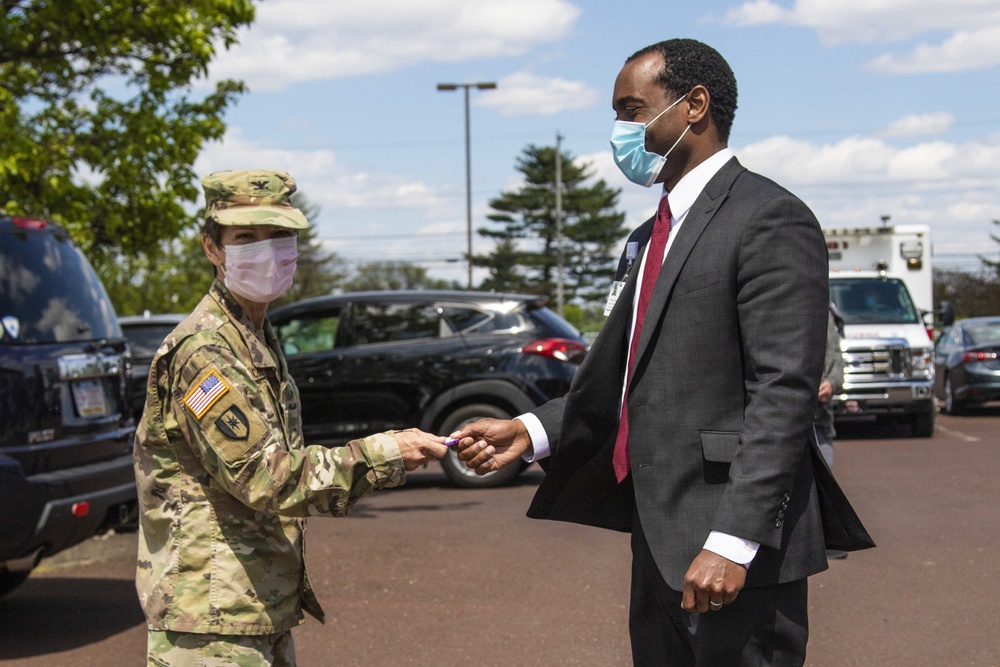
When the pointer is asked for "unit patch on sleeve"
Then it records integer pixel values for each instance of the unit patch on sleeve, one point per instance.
(211, 388)
(233, 424)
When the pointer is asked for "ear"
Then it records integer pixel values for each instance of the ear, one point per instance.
(698, 102)
(215, 254)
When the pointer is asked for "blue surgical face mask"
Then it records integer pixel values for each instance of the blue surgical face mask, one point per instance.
(628, 143)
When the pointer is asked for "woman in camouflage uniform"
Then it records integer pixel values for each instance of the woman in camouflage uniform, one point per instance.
(223, 476)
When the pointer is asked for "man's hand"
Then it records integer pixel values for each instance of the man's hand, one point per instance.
(490, 444)
(417, 447)
(825, 392)
(712, 578)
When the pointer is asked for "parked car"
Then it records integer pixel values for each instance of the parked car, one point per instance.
(372, 361)
(967, 364)
(144, 333)
(65, 426)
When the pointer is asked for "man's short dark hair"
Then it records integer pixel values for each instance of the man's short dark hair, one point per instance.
(688, 63)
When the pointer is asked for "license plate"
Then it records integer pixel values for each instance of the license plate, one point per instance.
(89, 398)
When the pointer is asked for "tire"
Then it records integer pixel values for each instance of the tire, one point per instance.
(952, 405)
(922, 424)
(11, 580)
(456, 471)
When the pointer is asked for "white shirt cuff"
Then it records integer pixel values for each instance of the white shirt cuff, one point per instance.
(539, 438)
(734, 548)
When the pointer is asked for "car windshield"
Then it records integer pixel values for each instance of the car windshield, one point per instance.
(49, 293)
(873, 301)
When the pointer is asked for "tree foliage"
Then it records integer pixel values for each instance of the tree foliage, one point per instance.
(993, 265)
(393, 276)
(99, 126)
(974, 294)
(526, 255)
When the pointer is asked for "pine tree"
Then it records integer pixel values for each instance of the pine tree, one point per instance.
(526, 255)
(991, 265)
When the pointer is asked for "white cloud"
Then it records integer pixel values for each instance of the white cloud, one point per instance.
(758, 12)
(525, 94)
(919, 124)
(975, 49)
(307, 40)
(854, 182)
(973, 25)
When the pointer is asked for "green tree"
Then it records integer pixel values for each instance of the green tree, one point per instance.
(973, 294)
(526, 256)
(99, 128)
(588, 319)
(394, 276)
(171, 278)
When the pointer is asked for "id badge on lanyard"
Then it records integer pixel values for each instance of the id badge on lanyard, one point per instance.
(631, 252)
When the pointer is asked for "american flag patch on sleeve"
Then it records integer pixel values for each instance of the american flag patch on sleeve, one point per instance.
(211, 388)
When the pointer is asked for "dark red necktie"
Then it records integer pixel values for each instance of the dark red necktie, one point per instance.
(654, 262)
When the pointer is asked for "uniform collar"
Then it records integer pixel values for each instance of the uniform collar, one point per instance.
(257, 341)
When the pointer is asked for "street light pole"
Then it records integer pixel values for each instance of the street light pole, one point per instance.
(482, 85)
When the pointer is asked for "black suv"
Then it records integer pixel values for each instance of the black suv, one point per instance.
(371, 361)
(65, 427)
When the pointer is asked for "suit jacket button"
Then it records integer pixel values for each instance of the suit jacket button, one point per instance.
(777, 524)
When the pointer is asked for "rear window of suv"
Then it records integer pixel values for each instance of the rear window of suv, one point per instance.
(48, 292)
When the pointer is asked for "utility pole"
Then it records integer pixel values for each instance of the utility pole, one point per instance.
(559, 224)
(482, 85)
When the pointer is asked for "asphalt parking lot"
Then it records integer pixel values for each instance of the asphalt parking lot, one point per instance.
(434, 575)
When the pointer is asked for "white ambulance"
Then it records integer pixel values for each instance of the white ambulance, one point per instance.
(881, 281)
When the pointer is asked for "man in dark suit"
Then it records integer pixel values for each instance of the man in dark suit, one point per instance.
(690, 421)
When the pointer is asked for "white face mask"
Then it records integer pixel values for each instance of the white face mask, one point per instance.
(261, 271)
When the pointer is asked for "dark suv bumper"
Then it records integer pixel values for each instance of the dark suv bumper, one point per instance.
(37, 517)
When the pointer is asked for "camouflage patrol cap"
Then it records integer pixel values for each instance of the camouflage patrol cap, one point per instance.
(252, 197)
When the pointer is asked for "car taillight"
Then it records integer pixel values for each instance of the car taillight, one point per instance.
(27, 223)
(930, 334)
(562, 349)
(978, 356)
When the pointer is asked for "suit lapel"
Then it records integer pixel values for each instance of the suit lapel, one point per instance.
(701, 213)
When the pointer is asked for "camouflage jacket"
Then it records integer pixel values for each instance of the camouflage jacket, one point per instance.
(225, 481)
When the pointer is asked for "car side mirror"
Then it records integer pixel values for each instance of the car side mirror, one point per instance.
(947, 313)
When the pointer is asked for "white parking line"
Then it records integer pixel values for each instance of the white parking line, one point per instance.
(957, 434)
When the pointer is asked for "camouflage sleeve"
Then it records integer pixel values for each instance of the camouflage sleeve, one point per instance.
(235, 428)
(833, 366)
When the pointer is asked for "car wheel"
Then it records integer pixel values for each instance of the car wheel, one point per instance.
(11, 580)
(952, 405)
(455, 470)
(922, 424)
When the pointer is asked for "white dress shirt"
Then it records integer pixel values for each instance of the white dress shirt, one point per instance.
(682, 198)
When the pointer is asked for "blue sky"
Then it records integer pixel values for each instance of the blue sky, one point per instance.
(861, 108)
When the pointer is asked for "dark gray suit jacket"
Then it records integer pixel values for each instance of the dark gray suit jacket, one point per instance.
(721, 400)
